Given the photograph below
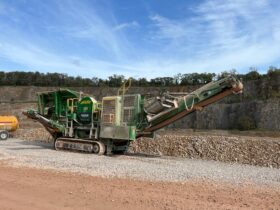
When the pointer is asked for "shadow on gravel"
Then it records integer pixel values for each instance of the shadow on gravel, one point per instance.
(141, 155)
(37, 143)
(24, 148)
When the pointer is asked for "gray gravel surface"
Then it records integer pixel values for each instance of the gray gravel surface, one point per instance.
(41, 155)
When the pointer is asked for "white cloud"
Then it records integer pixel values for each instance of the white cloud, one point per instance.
(223, 34)
(133, 24)
(82, 22)
(169, 28)
(74, 20)
(41, 59)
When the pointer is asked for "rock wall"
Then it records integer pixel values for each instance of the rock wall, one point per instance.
(264, 114)
(260, 103)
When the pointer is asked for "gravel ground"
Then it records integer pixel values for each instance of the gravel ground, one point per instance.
(40, 155)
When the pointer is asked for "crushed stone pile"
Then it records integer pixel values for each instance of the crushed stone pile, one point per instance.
(33, 134)
(261, 151)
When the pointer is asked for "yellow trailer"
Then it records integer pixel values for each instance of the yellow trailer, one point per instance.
(7, 124)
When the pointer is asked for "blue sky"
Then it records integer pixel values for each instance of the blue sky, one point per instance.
(147, 38)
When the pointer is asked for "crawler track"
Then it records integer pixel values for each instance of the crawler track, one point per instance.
(80, 145)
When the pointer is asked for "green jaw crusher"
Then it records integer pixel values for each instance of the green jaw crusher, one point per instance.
(81, 123)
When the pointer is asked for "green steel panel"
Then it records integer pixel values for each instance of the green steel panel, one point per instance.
(118, 132)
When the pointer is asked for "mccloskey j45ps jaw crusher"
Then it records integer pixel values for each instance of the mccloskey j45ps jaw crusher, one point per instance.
(81, 123)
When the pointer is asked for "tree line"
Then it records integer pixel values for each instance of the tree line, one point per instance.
(20, 78)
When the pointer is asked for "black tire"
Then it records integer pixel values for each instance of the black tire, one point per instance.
(4, 135)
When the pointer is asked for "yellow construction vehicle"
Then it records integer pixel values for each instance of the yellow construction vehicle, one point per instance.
(7, 124)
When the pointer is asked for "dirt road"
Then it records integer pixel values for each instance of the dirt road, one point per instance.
(27, 188)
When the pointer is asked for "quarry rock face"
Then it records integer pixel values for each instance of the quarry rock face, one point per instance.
(257, 108)
(263, 114)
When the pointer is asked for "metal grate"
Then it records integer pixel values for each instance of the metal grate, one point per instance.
(128, 115)
(128, 108)
(108, 111)
(129, 101)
